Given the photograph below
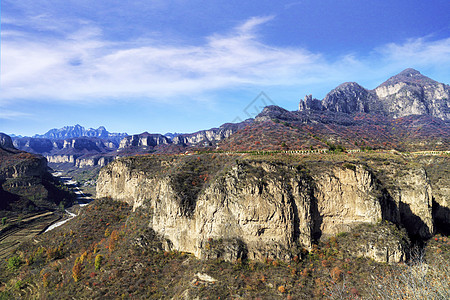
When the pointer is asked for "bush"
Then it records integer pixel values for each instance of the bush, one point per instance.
(76, 271)
(98, 261)
(419, 279)
(14, 263)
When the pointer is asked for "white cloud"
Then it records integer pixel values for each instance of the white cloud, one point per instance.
(418, 51)
(83, 66)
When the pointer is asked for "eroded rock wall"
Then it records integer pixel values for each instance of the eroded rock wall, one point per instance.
(261, 209)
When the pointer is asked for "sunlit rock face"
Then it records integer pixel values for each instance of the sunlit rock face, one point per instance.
(407, 93)
(261, 209)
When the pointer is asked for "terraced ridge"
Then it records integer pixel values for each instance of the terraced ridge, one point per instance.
(20, 230)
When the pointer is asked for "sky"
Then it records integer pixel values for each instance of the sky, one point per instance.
(182, 66)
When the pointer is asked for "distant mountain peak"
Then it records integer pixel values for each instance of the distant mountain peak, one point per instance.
(77, 131)
(409, 75)
(407, 93)
(410, 72)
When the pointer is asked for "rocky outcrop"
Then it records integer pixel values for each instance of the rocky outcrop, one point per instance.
(6, 141)
(350, 97)
(345, 197)
(261, 209)
(408, 93)
(61, 159)
(411, 93)
(210, 136)
(25, 184)
(310, 103)
(382, 242)
(91, 161)
(143, 140)
(24, 165)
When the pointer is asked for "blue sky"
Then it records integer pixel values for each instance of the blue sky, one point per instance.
(182, 66)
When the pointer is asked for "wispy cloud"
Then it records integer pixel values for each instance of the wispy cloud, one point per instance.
(12, 115)
(83, 66)
(418, 51)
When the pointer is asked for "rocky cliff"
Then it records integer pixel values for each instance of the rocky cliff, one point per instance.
(6, 141)
(143, 140)
(407, 93)
(80, 151)
(25, 183)
(210, 136)
(231, 207)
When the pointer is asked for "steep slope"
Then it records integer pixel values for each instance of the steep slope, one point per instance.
(411, 93)
(6, 141)
(278, 129)
(26, 185)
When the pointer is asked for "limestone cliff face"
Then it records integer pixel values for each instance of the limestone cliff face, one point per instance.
(411, 93)
(261, 209)
(143, 140)
(33, 166)
(210, 136)
(269, 215)
(64, 158)
(345, 197)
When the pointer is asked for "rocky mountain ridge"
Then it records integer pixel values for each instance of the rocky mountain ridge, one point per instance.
(407, 93)
(77, 130)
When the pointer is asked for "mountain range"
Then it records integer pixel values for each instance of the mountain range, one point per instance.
(79, 131)
(407, 112)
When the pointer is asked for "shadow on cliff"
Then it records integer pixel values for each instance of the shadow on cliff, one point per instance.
(402, 215)
(441, 216)
(416, 228)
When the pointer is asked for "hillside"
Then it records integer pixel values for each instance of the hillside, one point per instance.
(26, 184)
(111, 251)
(278, 129)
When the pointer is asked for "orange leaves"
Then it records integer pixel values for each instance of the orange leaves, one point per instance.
(113, 238)
(336, 274)
(76, 271)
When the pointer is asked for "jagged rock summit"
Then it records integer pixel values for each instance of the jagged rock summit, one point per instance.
(407, 93)
(77, 130)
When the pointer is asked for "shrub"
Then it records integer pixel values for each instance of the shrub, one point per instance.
(113, 240)
(45, 279)
(419, 279)
(76, 271)
(14, 263)
(336, 274)
(98, 261)
(4, 221)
